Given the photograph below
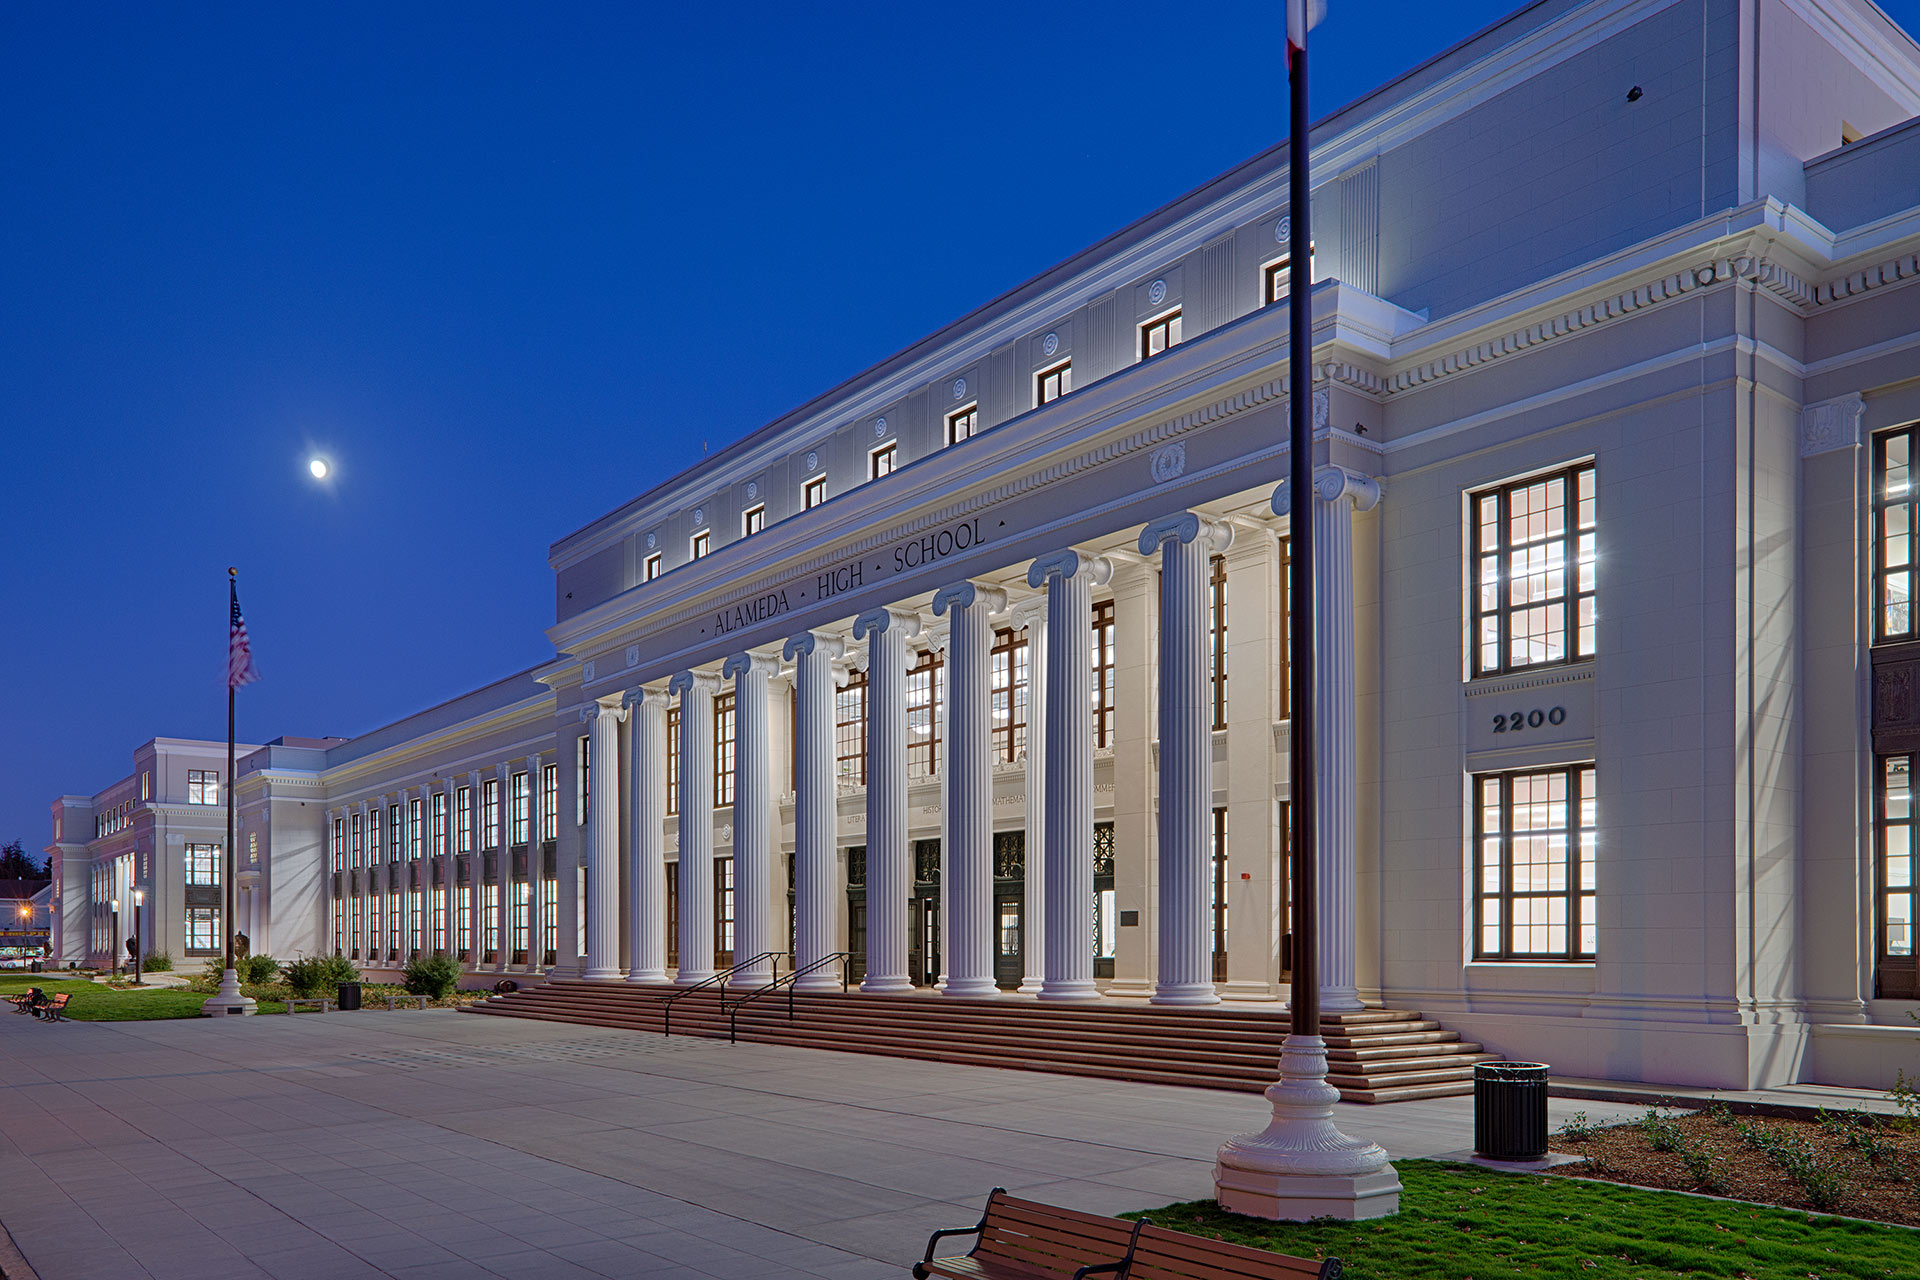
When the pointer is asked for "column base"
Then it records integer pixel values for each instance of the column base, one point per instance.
(650, 978)
(971, 988)
(691, 977)
(818, 982)
(1188, 993)
(1340, 1000)
(885, 986)
(1070, 989)
(1030, 986)
(229, 1000)
(602, 975)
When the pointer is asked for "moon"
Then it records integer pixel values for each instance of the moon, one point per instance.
(319, 468)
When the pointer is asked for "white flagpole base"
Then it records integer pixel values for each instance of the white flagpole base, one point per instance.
(1301, 1166)
(229, 1000)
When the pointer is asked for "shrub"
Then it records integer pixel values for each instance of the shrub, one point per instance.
(1579, 1128)
(319, 975)
(433, 975)
(1661, 1132)
(257, 971)
(159, 962)
(1905, 1096)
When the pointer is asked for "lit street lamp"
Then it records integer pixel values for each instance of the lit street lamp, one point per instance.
(139, 960)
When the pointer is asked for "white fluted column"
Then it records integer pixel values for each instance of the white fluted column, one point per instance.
(646, 840)
(1337, 493)
(813, 655)
(471, 925)
(1186, 543)
(1033, 616)
(503, 873)
(969, 849)
(752, 813)
(536, 869)
(446, 938)
(695, 879)
(889, 855)
(603, 841)
(363, 883)
(1069, 578)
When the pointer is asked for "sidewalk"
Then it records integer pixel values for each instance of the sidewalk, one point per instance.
(435, 1144)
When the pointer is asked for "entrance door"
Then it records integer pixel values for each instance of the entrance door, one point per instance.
(857, 933)
(1009, 951)
(923, 940)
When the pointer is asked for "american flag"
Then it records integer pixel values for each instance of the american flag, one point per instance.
(240, 668)
(1302, 15)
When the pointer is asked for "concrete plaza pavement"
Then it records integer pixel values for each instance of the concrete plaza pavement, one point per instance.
(435, 1144)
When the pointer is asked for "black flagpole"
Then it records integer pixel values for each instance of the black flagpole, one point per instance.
(1304, 1008)
(233, 610)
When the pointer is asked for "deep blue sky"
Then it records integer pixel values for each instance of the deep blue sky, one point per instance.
(508, 265)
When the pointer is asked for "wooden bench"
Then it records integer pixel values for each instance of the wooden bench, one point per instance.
(54, 1008)
(320, 1004)
(26, 1000)
(1025, 1240)
(1160, 1254)
(393, 1002)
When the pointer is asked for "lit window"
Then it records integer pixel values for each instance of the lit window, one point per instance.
(549, 801)
(463, 821)
(723, 742)
(673, 761)
(582, 776)
(1279, 279)
(203, 929)
(439, 823)
(356, 852)
(490, 813)
(702, 543)
(203, 786)
(962, 424)
(1217, 634)
(1158, 334)
(393, 833)
(413, 828)
(1103, 673)
(880, 461)
(752, 521)
(1534, 837)
(926, 711)
(850, 729)
(203, 864)
(1894, 508)
(1051, 384)
(1895, 972)
(517, 808)
(1007, 693)
(1534, 552)
(814, 493)
(339, 849)
(652, 570)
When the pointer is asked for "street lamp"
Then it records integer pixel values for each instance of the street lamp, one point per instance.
(139, 958)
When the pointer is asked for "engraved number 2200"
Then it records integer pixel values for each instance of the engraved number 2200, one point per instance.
(1520, 720)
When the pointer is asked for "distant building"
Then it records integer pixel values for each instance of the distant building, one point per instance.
(24, 918)
(975, 666)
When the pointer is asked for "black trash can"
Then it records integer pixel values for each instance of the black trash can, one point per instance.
(1510, 1110)
(349, 995)
(38, 967)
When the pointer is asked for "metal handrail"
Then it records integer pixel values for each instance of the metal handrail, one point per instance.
(733, 1011)
(666, 1016)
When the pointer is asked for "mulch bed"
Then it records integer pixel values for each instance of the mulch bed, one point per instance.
(1855, 1164)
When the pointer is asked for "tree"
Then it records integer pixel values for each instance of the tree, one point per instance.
(17, 864)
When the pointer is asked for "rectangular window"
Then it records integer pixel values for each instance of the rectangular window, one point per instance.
(926, 698)
(673, 760)
(1159, 333)
(1894, 505)
(489, 919)
(517, 801)
(1103, 668)
(1050, 384)
(850, 730)
(1217, 637)
(203, 929)
(1286, 628)
(1007, 693)
(463, 920)
(723, 731)
(463, 820)
(393, 833)
(702, 543)
(356, 848)
(1220, 895)
(1894, 881)
(203, 864)
(490, 813)
(652, 569)
(338, 853)
(723, 910)
(549, 801)
(376, 912)
(880, 461)
(963, 423)
(753, 520)
(1534, 836)
(582, 776)
(1279, 278)
(355, 916)
(413, 828)
(813, 493)
(393, 923)
(549, 919)
(439, 823)
(436, 919)
(1534, 548)
(203, 786)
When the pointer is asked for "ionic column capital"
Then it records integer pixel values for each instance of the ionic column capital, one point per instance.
(1185, 527)
(1029, 611)
(810, 642)
(967, 593)
(873, 621)
(686, 681)
(640, 696)
(593, 710)
(1332, 483)
(741, 664)
(1068, 563)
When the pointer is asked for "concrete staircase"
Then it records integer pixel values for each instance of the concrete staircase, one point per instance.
(1378, 1055)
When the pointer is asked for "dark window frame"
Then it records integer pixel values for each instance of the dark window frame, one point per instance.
(1579, 895)
(1104, 664)
(1907, 505)
(1167, 326)
(1060, 376)
(1494, 601)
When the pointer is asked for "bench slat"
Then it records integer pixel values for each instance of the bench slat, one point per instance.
(1161, 1254)
(1026, 1240)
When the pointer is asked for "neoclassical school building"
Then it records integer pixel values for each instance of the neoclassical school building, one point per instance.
(974, 668)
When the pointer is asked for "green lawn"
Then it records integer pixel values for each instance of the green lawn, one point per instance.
(94, 1003)
(1460, 1222)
